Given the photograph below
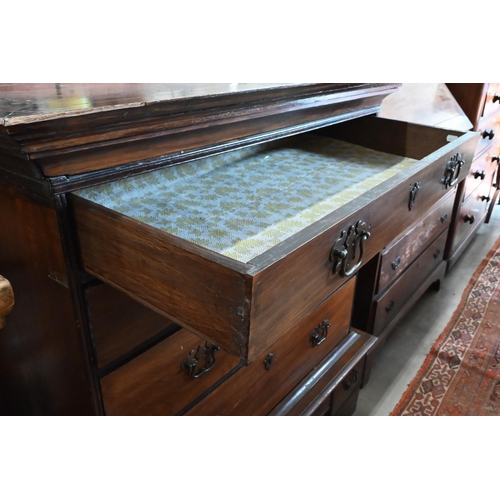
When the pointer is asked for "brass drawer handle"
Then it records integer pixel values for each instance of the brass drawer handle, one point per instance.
(496, 98)
(496, 158)
(6, 299)
(344, 249)
(413, 195)
(485, 198)
(268, 361)
(199, 362)
(318, 336)
(443, 218)
(469, 218)
(389, 306)
(351, 379)
(480, 174)
(489, 134)
(395, 263)
(452, 170)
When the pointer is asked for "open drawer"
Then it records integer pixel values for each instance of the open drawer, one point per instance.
(241, 246)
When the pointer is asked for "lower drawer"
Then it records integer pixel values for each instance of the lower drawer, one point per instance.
(258, 387)
(470, 214)
(343, 399)
(398, 256)
(166, 378)
(481, 172)
(390, 303)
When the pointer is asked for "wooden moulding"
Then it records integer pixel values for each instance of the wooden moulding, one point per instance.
(245, 308)
(78, 141)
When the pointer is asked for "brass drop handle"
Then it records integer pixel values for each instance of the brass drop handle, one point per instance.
(318, 336)
(485, 198)
(496, 158)
(480, 174)
(6, 299)
(351, 379)
(344, 249)
(469, 218)
(200, 361)
(489, 134)
(395, 263)
(496, 98)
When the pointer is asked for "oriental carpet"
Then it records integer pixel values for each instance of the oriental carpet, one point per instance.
(461, 373)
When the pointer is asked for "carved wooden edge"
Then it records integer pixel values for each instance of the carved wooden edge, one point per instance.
(6, 299)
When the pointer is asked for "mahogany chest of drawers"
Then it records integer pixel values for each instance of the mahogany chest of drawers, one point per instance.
(478, 192)
(212, 250)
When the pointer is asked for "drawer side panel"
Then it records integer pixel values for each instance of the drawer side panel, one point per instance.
(192, 290)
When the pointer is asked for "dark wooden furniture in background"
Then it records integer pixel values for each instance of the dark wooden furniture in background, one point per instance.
(6, 299)
(114, 316)
(478, 193)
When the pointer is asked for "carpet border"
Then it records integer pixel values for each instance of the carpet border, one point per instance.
(429, 358)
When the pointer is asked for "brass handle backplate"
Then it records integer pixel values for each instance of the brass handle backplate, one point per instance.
(318, 336)
(344, 249)
(199, 362)
(452, 171)
(6, 299)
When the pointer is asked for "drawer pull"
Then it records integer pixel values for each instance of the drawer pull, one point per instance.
(489, 134)
(452, 171)
(480, 174)
(319, 334)
(268, 361)
(485, 198)
(437, 253)
(413, 195)
(199, 362)
(344, 249)
(395, 263)
(496, 158)
(444, 218)
(351, 379)
(469, 218)
(6, 299)
(496, 98)
(389, 306)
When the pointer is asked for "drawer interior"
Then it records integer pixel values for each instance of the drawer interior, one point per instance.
(242, 203)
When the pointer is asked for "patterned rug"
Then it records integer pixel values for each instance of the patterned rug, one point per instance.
(461, 374)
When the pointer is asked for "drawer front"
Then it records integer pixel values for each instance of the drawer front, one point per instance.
(489, 132)
(255, 390)
(470, 214)
(482, 170)
(161, 382)
(392, 301)
(345, 395)
(492, 102)
(343, 399)
(399, 255)
(120, 324)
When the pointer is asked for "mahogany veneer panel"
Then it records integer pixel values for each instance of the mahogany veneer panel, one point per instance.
(119, 324)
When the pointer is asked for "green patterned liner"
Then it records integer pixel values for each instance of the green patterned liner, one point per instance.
(245, 202)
